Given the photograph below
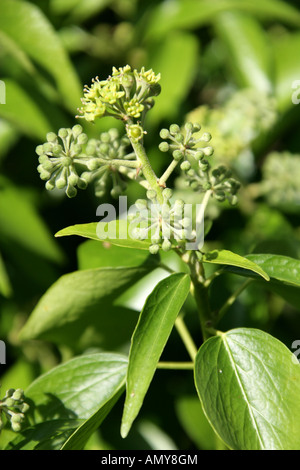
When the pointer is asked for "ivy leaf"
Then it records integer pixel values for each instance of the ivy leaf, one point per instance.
(115, 232)
(249, 384)
(148, 341)
(229, 258)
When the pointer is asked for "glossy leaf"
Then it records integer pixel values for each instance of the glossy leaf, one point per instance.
(115, 232)
(81, 302)
(92, 254)
(249, 383)
(176, 14)
(226, 257)
(27, 26)
(23, 113)
(20, 223)
(278, 267)
(148, 341)
(248, 50)
(177, 46)
(57, 407)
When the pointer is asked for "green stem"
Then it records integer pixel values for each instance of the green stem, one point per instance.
(147, 169)
(200, 294)
(168, 172)
(232, 299)
(176, 365)
(186, 337)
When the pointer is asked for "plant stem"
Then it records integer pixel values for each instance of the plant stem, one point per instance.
(200, 294)
(186, 337)
(204, 203)
(232, 299)
(176, 365)
(168, 172)
(147, 169)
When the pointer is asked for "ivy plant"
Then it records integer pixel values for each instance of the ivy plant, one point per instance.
(247, 381)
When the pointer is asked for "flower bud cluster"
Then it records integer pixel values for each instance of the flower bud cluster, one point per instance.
(184, 144)
(102, 153)
(127, 95)
(218, 180)
(13, 407)
(58, 158)
(280, 180)
(69, 159)
(164, 224)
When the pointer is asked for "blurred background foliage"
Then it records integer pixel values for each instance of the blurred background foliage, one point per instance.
(230, 65)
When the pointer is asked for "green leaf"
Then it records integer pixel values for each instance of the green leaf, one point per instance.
(80, 303)
(83, 388)
(148, 341)
(226, 257)
(27, 26)
(177, 46)
(20, 222)
(248, 49)
(92, 254)
(278, 267)
(79, 438)
(21, 111)
(5, 286)
(287, 70)
(176, 14)
(115, 232)
(249, 384)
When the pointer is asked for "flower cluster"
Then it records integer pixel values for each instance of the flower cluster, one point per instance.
(218, 180)
(236, 122)
(58, 158)
(69, 159)
(127, 95)
(103, 153)
(279, 184)
(166, 225)
(184, 145)
(13, 407)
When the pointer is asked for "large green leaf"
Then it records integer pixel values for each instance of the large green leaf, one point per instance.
(249, 384)
(81, 303)
(165, 60)
(248, 49)
(21, 111)
(176, 14)
(115, 232)
(148, 341)
(69, 395)
(229, 258)
(20, 223)
(278, 267)
(27, 26)
(287, 70)
(92, 254)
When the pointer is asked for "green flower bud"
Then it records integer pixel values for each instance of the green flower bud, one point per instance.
(164, 133)
(151, 194)
(174, 129)
(177, 155)
(56, 150)
(141, 204)
(18, 394)
(61, 182)
(166, 245)
(220, 195)
(16, 427)
(71, 191)
(164, 147)
(189, 126)
(185, 166)
(82, 183)
(179, 138)
(206, 137)
(63, 133)
(154, 249)
(167, 193)
(39, 149)
(198, 155)
(206, 186)
(77, 130)
(51, 137)
(135, 132)
(116, 192)
(82, 139)
(49, 185)
(196, 128)
(208, 151)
